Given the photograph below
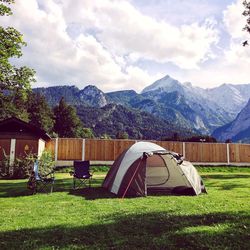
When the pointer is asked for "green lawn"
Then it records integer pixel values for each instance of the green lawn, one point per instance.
(95, 219)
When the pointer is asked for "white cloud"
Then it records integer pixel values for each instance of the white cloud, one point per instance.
(139, 78)
(61, 59)
(125, 30)
(103, 42)
(232, 66)
(113, 36)
(237, 57)
(234, 20)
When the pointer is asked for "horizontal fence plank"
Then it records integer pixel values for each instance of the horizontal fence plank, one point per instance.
(109, 150)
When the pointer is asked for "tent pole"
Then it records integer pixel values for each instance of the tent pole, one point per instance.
(133, 176)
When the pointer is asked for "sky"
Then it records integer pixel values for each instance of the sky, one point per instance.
(129, 44)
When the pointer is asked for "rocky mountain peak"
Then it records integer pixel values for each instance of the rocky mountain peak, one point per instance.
(166, 83)
(94, 96)
(230, 96)
(91, 90)
(188, 84)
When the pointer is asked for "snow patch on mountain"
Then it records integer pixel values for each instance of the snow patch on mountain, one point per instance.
(166, 83)
(199, 124)
(230, 97)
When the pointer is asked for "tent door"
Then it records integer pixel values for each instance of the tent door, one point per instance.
(157, 173)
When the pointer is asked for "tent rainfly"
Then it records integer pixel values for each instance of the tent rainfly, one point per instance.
(146, 167)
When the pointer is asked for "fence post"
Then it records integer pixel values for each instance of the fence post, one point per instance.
(83, 149)
(228, 155)
(56, 149)
(184, 149)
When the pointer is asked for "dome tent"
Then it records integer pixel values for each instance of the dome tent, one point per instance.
(146, 167)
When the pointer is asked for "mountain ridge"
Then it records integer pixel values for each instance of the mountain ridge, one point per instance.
(238, 129)
(113, 118)
(182, 104)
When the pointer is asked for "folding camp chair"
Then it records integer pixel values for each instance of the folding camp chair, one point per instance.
(38, 183)
(82, 174)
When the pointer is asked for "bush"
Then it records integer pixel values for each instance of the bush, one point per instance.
(4, 165)
(20, 169)
(45, 163)
(23, 167)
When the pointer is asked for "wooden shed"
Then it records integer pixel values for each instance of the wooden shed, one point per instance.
(18, 138)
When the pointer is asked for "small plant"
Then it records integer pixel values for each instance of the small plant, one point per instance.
(4, 165)
(23, 167)
(45, 163)
(19, 169)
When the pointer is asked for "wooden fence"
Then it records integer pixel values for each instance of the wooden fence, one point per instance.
(96, 150)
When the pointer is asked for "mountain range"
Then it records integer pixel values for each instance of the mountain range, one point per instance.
(114, 118)
(238, 129)
(184, 107)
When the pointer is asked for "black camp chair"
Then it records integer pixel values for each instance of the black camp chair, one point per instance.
(38, 183)
(82, 175)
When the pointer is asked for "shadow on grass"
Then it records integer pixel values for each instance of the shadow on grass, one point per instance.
(10, 188)
(226, 176)
(14, 188)
(93, 193)
(229, 186)
(139, 231)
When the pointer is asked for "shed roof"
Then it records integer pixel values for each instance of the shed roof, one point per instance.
(15, 125)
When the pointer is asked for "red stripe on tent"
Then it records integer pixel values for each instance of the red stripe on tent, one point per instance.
(133, 176)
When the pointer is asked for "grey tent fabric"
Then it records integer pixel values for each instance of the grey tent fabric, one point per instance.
(147, 167)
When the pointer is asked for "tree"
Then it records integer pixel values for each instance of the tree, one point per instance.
(40, 113)
(122, 135)
(15, 83)
(87, 133)
(201, 138)
(105, 136)
(174, 137)
(246, 13)
(67, 123)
